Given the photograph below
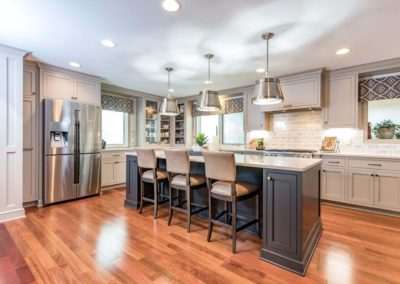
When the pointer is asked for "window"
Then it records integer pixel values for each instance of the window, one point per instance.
(208, 125)
(115, 128)
(384, 119)
(232, 128)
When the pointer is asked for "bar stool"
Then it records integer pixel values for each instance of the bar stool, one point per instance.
(222, 185)
(180, 179)
(147, 163)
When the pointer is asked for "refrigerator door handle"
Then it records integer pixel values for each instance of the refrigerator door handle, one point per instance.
(77, 149)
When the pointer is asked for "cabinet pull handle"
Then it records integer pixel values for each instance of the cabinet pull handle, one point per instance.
(377, 175)
(323, 170)
(332, 162)
(270, 178)
(287, 105)
(377, 165)
(116, 155)
(116, 162)
(33, 93)
(372, 175)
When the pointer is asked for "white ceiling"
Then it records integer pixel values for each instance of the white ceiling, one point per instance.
(308, 32)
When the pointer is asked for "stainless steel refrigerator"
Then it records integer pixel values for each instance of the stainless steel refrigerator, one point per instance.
(72, 145)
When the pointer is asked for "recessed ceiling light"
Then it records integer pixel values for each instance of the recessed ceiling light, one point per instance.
(260, 70)
(342, 51)
(207, 82)
(171, 5)
(108, 43)
(171, 90)
(74, 64)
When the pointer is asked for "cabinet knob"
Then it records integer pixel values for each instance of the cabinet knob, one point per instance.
(372, 175)
(33, 93)
(269, 178)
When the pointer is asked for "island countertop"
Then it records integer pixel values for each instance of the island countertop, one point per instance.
(257, 161)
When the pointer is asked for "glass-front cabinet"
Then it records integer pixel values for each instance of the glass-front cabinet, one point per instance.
(151, 123)
(180, 125)
(165, 129)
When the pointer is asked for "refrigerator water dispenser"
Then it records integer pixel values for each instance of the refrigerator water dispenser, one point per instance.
(58, 139)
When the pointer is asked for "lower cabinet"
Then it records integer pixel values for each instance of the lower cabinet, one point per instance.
(387, 190)
(364, 182)
(113, 168)
(361, 187)
(333, 184)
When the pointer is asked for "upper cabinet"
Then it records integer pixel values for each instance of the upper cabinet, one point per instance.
(254, 118)
(341, 100)
(57, 83)
(300, 91)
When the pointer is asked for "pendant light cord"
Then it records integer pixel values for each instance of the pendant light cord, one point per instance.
(169, 83)
(267, 60)
(209, 72)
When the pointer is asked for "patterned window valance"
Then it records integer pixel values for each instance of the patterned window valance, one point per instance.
(195, 112)
(234, 105)
(118, 103)
(380, 88)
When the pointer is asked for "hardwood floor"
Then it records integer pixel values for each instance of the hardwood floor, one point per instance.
(97, 240)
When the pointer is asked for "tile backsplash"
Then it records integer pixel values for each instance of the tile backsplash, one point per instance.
(304, 130)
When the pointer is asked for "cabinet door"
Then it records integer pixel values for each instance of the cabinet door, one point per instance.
(87, 91)
(387, 190)
(108, 173)
(29, 149)
(120, 171)
(58, 85)
(299, 92)
(341, 101)
(333, 185)
(29, 87)
(255, 119)
(361, 187)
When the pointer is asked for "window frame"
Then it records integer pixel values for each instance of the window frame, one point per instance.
(222, 131)
(126, 132)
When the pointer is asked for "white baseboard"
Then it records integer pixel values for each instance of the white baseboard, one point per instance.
(12, 215)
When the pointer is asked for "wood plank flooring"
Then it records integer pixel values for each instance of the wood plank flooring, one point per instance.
(97, 240)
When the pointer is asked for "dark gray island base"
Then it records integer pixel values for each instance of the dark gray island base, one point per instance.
(291, 223)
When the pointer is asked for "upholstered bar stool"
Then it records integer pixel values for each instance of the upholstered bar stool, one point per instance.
(180, 179)
(147, 163)
(222, 185)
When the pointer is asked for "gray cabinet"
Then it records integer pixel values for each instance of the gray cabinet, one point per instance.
(387, 190)
(300, 91)
(113, 168)
(255, 119)
(333, 184)
(361, 187)
(341, 101)
(30, 134)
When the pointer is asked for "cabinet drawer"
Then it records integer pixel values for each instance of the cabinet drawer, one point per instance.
(333, 162)
(374, 164)
(113, 155)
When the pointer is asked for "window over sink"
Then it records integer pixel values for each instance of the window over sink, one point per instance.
(115, 128)
(380, 97)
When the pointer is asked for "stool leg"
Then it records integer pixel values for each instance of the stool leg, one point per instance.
(210, 223)
(188, 209)
(155, 199)
(141, 196)
(170, 206)
(258, 215)
(234, 216)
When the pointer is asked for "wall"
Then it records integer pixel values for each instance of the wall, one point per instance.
(303, 130)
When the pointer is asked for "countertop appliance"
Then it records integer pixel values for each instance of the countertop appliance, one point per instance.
(298, 153)
(71, 150)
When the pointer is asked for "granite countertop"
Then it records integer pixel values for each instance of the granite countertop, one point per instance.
(257, 161)
(360, 155)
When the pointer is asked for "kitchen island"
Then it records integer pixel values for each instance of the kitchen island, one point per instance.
(291, 223)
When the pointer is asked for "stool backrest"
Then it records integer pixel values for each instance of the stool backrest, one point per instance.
(220, 166)
(146, 158)
(177, 161)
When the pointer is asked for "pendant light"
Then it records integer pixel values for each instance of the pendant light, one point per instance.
(267, 89)
(168, 105)
(208, 100)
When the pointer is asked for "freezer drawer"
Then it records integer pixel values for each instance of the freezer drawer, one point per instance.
(59, 178)
(89, 175)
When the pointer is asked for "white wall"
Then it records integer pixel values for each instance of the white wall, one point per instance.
(11, 80)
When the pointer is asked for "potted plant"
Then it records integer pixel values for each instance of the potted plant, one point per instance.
(201, 139)
(385, 129)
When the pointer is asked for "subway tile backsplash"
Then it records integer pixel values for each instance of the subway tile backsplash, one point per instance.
(304, 130)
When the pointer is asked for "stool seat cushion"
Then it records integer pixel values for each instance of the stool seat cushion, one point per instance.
(194, 180)
(161, 174)
(242, 188)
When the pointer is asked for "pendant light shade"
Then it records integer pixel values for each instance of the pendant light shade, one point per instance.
(208, 100)
(267, 90)
(169, 106)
